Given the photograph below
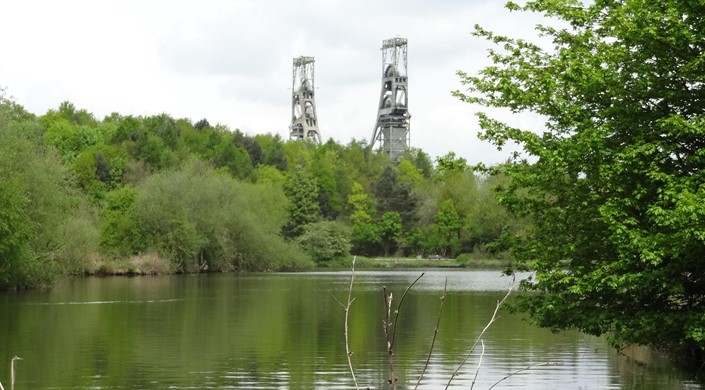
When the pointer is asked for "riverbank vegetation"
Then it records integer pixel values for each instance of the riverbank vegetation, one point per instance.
(606, 202)
(465, 260)
(156, 194)
(614, 183)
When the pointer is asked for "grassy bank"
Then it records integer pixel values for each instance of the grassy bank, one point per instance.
(146, 264)
(408, 262)
(152, 264)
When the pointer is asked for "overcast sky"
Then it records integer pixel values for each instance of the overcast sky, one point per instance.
(231, 61)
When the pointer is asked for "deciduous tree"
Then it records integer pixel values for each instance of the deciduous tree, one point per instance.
(302, 191)
(390, 230)
(449, 226)
(614, 184)
(365, 234)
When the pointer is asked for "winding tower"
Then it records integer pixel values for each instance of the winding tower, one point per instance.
(304, 121)
(393, 118)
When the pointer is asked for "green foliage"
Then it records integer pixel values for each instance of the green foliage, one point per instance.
(450, 164)
(79, 242)
(250, 145)
(128, 128)
(365, 239)
(38, 206)
(16, 259)
(424, 241)
(235, 159)
(364, 166)
(390, 230)
(100, 168)
(79, 117)
(449, 225)
(201, 124)
(409, 174)
(120, 194)
(164, 127)
(200, 219)
(267, 174)
(152, 150)
(118, 231)
(68, 138)
(392, 195)
(272, 150)
(360, 205)
(614, 186)
(485, 219)
(325, 241)
(365, 234)
(420, 160)
(323, 169)
(297, 154)
(302, 191)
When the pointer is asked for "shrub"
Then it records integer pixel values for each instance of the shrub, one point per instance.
(325, 241)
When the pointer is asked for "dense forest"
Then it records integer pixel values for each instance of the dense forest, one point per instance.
(157, 194)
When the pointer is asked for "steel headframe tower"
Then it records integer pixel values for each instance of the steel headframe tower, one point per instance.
(393, 118)
(304, 122)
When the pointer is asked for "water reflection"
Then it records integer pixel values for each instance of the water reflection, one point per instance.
(275, 331)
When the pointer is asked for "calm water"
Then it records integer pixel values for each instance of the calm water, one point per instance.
(285, 331)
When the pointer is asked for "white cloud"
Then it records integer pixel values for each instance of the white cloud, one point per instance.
(230, 61)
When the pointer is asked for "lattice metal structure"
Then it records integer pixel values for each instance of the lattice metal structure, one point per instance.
(392, 129)
(304, 121)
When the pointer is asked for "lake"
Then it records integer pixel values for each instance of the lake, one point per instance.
(286, 331)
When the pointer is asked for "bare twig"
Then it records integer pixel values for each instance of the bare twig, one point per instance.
(530, 366)
(435, 333)
(479, 337)
(336, 299)
(390, 332)
(347, 312)
(12, 371)
(396, 316)
(479, 363)
(387, 333)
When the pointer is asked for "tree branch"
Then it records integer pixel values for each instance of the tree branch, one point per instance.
(348, 353)
(435, 333)
(479, 363)
(390, 332)
(530, 366)
(492, 320)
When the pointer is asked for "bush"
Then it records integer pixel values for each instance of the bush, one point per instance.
(38, 207)
(200, 219)
(325, 241)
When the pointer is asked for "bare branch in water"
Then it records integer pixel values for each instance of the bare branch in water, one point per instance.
(12, 371)
(396, 316)
(390, 332)
(347, 313)
(492, 320)
(479, 363)
(530, 366)
(387, 333)
(435, 333)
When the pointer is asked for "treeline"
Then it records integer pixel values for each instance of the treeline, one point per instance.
(158, 194)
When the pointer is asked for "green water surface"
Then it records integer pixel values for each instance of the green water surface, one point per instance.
(286, 331)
